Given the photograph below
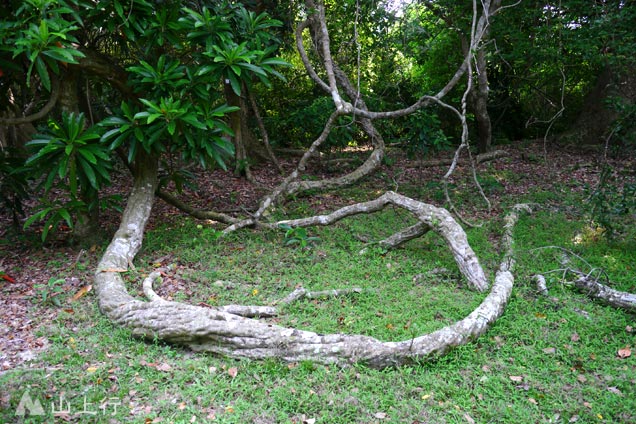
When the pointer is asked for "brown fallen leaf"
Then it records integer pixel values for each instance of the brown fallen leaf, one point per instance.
(164, 367)
(81, 292)
(469, 418)
(549, 350)
(575, 337)
(380, 415)
(232, 372)
(624, 352)
(516, 378)
(581, 378)
(533, 401)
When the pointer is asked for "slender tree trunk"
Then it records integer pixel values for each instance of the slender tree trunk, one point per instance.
(86, 225)
(480, 102)
(240, 155)
(480, 91)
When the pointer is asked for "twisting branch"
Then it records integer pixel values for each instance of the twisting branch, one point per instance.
(282, 188)
(436, 219)
(50, 104)
(305, 59)
(213, 330)
(196, 213)
(263, 130)
(323, 37)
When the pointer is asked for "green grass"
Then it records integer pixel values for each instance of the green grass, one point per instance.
(547, 359)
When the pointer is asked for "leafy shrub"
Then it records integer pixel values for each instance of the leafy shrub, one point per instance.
(424, 135)
(297, 236)
(69, 156)
(613, 204)
(623, 130)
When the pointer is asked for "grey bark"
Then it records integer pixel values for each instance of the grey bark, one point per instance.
(481, 158)
(605, 294)
(220, 332)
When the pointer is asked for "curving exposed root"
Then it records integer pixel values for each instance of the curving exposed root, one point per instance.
(228, 331)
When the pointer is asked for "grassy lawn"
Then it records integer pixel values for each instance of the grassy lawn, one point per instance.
(548, 359)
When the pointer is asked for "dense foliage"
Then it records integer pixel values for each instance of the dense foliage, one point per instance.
(162, 78)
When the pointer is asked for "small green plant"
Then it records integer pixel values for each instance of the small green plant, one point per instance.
(297, 236)
(49, 293)
(424, 135)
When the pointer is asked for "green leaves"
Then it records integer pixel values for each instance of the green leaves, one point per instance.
(171, 125)
(297, 236)
(165, 77)
(236, 45)
(46, 42)
(71, 155)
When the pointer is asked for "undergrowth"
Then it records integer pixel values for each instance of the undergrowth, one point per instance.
(547, 359)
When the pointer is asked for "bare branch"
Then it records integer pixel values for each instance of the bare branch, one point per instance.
(305, 59)
(196, 213)
(50, 104)
(302, 293)
(283, 187)
(479, 159)
(618, 299)
(436, 219)
(263, 130)
(212, 330)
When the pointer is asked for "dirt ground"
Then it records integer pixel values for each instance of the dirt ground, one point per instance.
(28, 263)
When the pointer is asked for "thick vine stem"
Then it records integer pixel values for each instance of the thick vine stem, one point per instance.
(216, 331)
(21, 120)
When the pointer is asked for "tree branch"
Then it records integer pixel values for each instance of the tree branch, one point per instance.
(50, 104)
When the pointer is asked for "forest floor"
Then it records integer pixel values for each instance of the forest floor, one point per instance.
(63, 271)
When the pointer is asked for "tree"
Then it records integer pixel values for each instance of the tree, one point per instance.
(161, 68)
(228, 333)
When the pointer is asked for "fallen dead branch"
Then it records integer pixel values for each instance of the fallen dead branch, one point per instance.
(605, 294)
(302, 293)
(587, 283)
(479, 159)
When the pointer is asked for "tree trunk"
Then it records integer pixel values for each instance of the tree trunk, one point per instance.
(480, 102)
(593, 125)
(86, 225)
(236, 123)
(246, 145)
